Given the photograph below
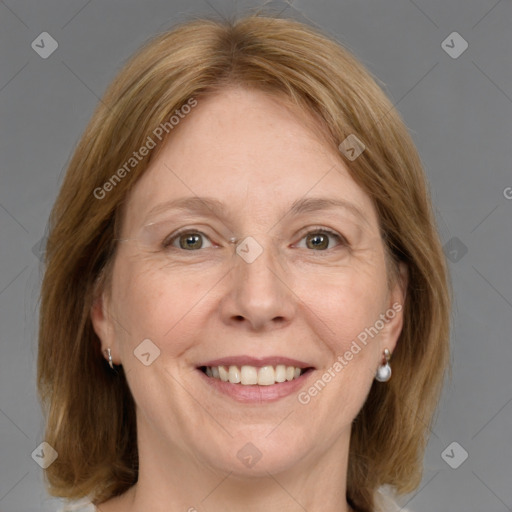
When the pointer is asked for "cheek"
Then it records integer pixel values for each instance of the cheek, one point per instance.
(156, 305)
(345, 305)
(345, 314)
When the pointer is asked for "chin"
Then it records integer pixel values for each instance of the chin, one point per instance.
(259, 454)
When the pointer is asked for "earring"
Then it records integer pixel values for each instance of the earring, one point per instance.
(384, 370)
(110, 358)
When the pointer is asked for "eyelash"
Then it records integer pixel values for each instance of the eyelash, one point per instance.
(167, 243)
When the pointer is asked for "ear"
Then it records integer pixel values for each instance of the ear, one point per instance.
(103, 325)
(395, 311)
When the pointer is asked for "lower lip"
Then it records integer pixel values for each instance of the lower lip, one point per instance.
(255, 394)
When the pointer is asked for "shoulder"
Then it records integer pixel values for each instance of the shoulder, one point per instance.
(78, 506)
(386, 501)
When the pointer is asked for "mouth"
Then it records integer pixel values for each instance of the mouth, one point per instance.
(250, 375)
(253, 380)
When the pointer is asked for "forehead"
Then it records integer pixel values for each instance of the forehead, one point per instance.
(251, 151)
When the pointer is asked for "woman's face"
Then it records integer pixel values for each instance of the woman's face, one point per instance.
(305, 286)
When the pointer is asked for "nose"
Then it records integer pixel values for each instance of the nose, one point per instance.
(260, 296)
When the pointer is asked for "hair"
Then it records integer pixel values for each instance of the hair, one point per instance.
(89, 410)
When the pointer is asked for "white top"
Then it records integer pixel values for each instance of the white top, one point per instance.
(385, 501)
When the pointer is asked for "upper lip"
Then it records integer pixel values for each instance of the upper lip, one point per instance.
(256, 361)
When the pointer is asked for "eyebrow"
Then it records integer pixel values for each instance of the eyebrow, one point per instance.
(218, 208)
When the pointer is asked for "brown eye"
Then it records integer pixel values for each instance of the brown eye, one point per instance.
(318, 239)
(187, 240)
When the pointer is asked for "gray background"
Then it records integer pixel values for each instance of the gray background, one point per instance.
(459, 111)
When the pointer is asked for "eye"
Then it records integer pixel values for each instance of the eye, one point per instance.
(318, 238)
(188, 240)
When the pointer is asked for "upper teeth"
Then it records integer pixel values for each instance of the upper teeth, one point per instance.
(250, 375)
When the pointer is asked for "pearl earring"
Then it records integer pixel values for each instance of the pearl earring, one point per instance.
(384, 370)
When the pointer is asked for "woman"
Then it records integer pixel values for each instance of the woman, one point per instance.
(243, 239)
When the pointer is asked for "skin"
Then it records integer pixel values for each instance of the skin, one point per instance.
(256, 155)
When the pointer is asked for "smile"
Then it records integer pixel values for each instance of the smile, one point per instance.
(247, 375)
(253, 380)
